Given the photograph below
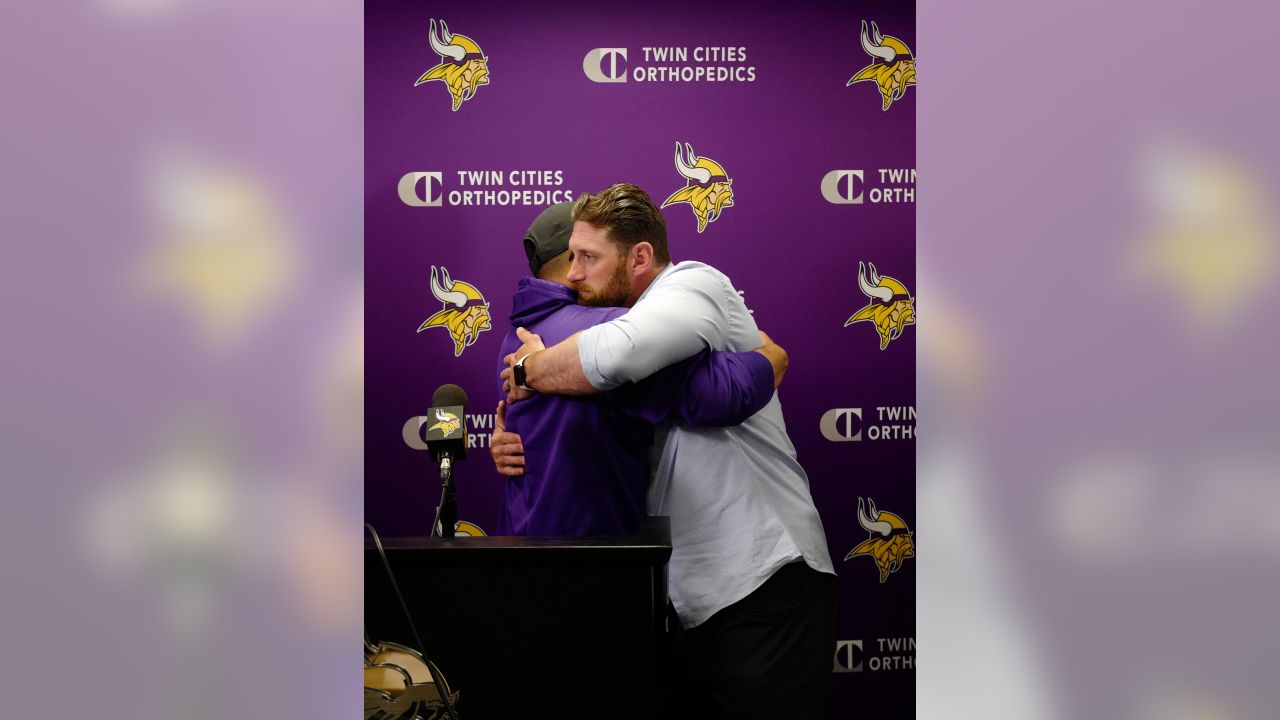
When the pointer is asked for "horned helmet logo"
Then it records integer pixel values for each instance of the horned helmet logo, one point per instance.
(891, 307)
(892, 68)
(708, 188)
(889, 543)
(447, 423)
(465, 313)
(463, 65)
(468, 529)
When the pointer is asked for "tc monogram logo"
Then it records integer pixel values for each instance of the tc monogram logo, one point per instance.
(842, 425)
(408, 189)
(594, 65)
(848, 656)
(831, 187)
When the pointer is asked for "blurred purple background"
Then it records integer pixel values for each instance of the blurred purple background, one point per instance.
(1099, 514)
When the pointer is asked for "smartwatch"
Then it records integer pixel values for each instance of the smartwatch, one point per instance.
(518, 375)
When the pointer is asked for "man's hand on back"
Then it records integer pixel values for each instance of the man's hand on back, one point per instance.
(776, 355)
(505, 447)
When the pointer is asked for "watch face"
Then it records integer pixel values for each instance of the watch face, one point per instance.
(518, 373)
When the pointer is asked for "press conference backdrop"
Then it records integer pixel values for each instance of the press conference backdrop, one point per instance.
(794, 128)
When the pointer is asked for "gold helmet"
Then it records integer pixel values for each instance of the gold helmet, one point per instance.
(880, 287)
(456, 49)
(884, 47)
(700, 170)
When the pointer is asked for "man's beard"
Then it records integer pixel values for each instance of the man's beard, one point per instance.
(613, 294)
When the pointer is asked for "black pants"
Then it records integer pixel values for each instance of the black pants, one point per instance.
(766, 656)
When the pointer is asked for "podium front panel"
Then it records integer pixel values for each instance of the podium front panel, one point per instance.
(530, 627)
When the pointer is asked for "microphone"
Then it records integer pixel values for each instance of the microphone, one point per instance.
(447, 441)
(447, 436)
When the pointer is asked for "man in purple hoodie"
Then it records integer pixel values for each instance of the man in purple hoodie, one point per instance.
(585, 463)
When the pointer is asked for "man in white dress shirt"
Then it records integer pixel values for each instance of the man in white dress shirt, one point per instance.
(751, 579)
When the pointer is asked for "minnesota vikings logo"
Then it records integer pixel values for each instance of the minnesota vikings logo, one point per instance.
(464, 66)
(892, 68)
(467, 529)
(889, 543)
(462, 528)
(891, 308)
(448, 423)
(465, 314)
(708, 188)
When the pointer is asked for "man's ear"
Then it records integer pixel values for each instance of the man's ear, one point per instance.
(641, 257)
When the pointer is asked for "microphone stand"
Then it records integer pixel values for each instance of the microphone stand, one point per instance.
(447, 510)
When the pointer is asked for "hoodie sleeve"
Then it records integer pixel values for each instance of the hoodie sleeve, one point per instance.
(713, 389)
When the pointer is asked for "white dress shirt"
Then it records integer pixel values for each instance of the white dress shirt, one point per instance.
(738, 500)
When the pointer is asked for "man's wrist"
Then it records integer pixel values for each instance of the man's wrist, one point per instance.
(520, 372)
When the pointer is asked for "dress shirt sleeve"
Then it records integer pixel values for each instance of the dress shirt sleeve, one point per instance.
(709, 389)
(680, 316)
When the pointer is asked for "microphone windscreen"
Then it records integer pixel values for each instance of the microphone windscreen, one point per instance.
(449, 394)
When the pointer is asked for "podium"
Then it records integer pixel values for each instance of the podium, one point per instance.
(532, 627)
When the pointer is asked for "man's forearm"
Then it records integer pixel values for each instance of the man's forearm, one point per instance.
(557, 370)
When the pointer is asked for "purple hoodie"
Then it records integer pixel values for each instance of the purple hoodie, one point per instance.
(587, 457)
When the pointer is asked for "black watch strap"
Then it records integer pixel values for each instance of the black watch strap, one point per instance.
(518, 374)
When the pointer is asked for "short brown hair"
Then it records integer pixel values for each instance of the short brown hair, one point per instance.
(628, 215)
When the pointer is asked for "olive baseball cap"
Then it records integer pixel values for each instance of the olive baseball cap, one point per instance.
(548, 236)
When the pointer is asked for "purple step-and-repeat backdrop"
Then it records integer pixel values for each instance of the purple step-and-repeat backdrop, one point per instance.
(479, 115)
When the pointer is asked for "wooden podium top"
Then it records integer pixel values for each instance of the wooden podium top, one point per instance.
(651, 547)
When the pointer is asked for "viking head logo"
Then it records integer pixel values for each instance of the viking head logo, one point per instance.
(708, 188)
(889, 543)
(891, 308)
(467, 529)
(465, 313)
(447, 423)
(463, 65)
(892, 68)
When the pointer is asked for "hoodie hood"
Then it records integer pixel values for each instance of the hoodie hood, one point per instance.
(535, 300)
